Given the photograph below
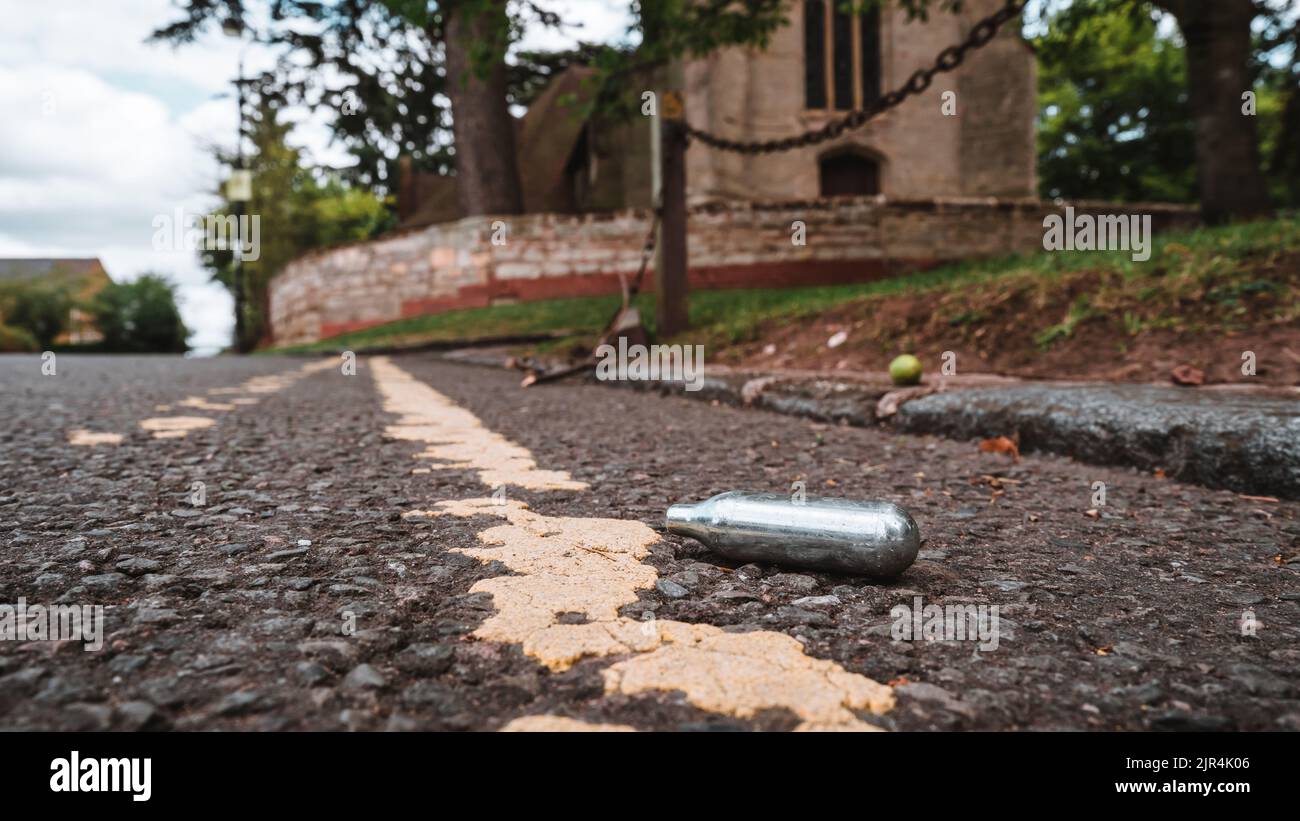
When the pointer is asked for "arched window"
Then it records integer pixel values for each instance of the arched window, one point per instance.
(849, 175)
(841, 56)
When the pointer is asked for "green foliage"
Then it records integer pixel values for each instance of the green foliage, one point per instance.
(16, 340)
(1114, 120)
(1183, 269)
(379, 72)
(297, 212)
(140, 316)
(332, 213)
(1278, 103)
(42, 309)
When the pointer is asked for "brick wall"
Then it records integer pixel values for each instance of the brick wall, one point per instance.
(456, 265)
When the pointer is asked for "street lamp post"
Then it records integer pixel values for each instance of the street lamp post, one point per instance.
(238, 192)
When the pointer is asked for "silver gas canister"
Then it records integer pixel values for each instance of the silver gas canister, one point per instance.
(837, 535)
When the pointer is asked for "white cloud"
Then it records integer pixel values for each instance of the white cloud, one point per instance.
(103, 131)
(595, 21)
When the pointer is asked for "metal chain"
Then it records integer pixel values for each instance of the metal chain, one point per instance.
(947, 60)
(647, 251)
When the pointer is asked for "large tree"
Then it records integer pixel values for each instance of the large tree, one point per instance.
(1217, 34)
(476, 37)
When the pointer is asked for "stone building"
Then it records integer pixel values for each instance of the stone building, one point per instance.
(824, 63)
(915, 187)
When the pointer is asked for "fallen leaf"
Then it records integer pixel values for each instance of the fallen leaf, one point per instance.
(1001, 444)
(1187, 375)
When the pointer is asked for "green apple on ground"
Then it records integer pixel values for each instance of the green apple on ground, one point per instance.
(905, 370)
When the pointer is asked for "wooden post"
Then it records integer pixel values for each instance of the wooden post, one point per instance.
(671, 302)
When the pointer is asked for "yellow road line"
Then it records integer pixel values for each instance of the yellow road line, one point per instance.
(594, 567)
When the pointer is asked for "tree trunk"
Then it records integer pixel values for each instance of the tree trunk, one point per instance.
(1217, 33)
(487, 171)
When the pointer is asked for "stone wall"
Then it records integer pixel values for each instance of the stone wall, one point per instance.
(544, 256)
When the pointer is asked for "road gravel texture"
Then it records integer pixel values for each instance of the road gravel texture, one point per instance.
(1126, 615)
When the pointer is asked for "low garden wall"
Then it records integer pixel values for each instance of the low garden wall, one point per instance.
(543, 256)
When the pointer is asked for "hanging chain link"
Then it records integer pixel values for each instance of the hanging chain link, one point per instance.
(947, 60)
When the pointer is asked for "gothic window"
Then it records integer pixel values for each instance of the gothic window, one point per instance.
(841, 56)
(848, 175)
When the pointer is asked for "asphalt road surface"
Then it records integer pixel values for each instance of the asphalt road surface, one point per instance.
(278, 545)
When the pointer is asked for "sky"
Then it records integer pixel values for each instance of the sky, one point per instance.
(102, 134)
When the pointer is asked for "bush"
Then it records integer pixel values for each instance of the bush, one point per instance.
(140, 317)
(42, 309)
(15, 340)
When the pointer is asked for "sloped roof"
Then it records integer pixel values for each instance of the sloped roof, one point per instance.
(44, 267)
(550, 131)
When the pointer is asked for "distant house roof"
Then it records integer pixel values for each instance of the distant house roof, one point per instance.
(89, 268)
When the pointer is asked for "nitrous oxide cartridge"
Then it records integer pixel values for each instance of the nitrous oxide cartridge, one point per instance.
(837, 535)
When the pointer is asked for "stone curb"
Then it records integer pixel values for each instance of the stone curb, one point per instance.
(1239, 438)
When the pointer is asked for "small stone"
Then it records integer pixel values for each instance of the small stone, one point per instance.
(1260, 681)
(923, 691)
(364, 677)
(1245, 598)
(426, 659)
(240, 703)
(138, 566)
(1005, 585)
(797, 615)
(46, 580)
(127, 663)
(156, 615)
(671, 589)
(734, 595)
(793, 581)
(310, 673)
(104, 583)
(432, 696)
(84, 717)
(134, 716)
(234, 549)
(280, 555)
(817, 601)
